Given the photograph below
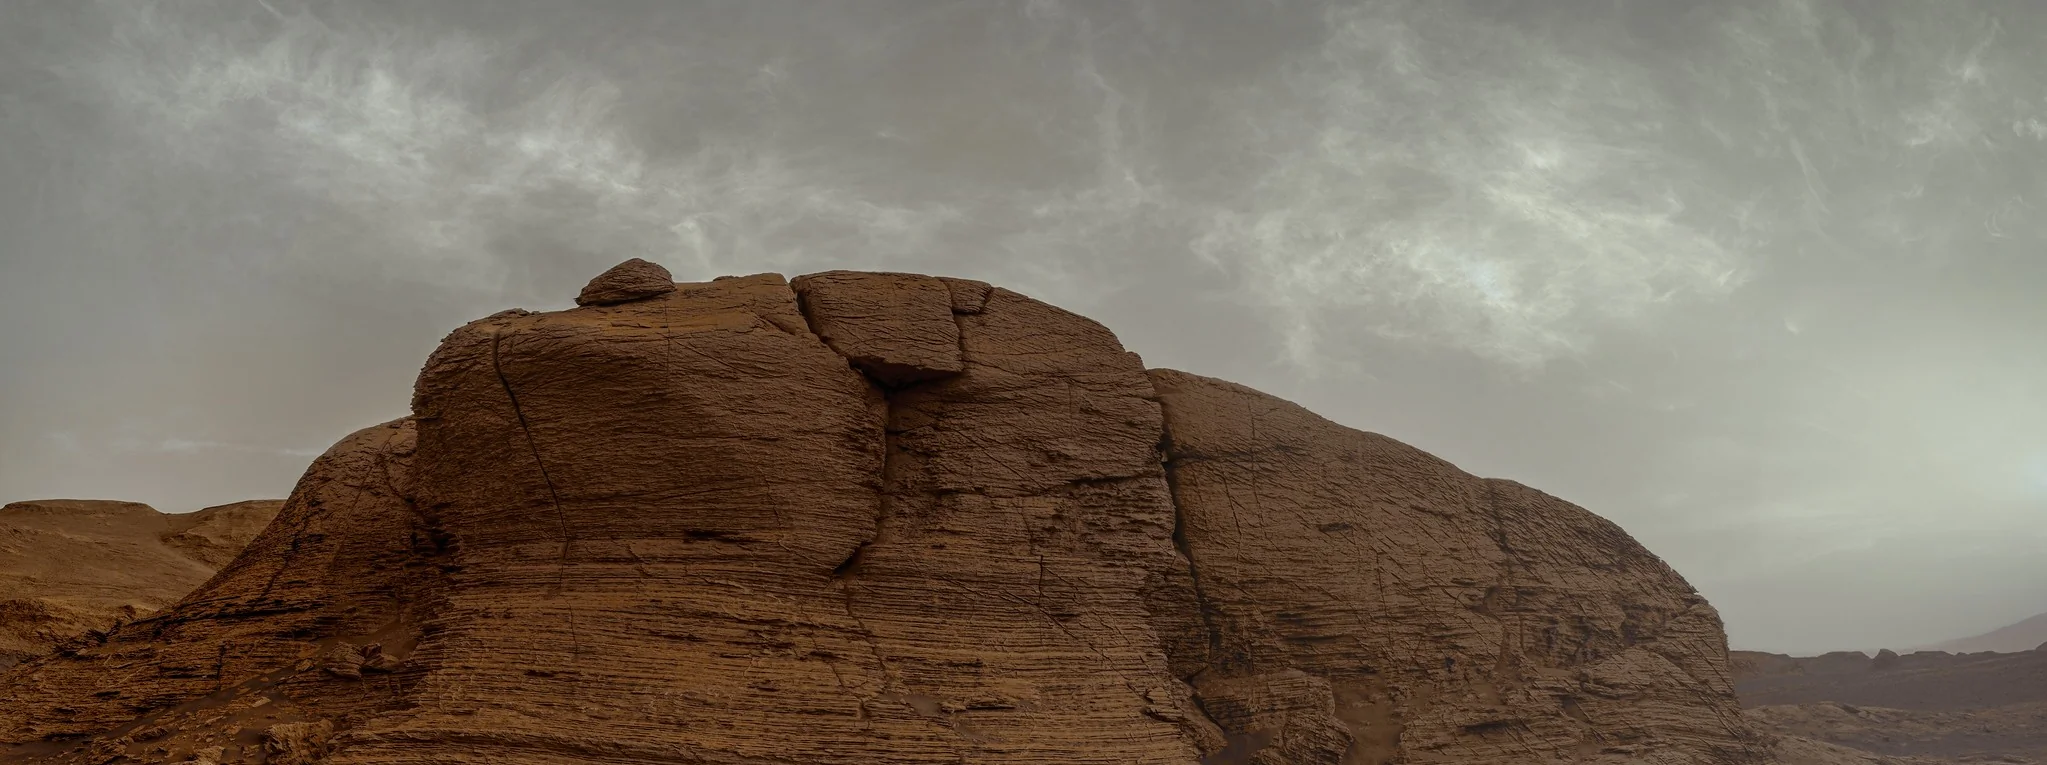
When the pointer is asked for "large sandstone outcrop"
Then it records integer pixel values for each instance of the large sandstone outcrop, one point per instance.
(69, 566)
(887, 518)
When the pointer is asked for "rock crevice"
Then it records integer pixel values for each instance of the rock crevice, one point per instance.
(526, 430)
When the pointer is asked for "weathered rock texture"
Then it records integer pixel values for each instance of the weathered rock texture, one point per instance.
(69, 567)
(884, 518)
(634, 279)
(1443, 617)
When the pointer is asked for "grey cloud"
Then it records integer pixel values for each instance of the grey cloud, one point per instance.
(1756, 279)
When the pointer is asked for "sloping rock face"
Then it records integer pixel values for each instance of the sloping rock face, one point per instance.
(69, 566)
(346, 562)
(1436, 616)
(888, 518)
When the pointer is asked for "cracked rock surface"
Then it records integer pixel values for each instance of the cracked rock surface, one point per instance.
(889, 518)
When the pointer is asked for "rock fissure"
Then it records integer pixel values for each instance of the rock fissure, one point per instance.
(561, 517)
(1180, 543)
(526, 429)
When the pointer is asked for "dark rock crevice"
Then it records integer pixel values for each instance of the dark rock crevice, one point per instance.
(561, 517)
(1237, 746)
(1181, 544)
(526, 429)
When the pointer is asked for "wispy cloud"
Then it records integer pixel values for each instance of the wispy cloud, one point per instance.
(384, 124)
(1511, 211)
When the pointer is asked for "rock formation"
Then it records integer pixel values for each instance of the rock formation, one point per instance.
(69, 567)
(888, 518)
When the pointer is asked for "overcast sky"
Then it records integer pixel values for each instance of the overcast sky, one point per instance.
(1758, 280)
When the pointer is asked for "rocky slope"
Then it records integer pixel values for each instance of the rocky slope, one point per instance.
(71, 566)
(887, 518)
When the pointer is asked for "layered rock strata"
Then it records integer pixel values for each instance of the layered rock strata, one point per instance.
(888, 518)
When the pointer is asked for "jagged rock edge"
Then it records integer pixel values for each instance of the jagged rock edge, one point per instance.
(845, 572)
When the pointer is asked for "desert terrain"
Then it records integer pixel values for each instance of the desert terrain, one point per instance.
(1925, 706)
(68, 567)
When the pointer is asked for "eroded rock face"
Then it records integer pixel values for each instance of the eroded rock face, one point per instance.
(1437, 616)
(346, 558)
(886, 518)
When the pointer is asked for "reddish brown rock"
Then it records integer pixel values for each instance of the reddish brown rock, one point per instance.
(346, 559)
(296, 743)
(1448, 618)
(898, 328)
(634, 279)
(684, 528)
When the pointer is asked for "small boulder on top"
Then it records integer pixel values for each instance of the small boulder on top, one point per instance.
(632, 280)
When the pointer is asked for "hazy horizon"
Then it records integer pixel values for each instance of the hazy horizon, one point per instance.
(1757, 280)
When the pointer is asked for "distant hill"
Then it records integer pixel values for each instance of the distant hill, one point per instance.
(69, 565)
(1919, 708)
(2024, 636)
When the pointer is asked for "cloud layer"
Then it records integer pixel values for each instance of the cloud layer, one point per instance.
(1757, 279)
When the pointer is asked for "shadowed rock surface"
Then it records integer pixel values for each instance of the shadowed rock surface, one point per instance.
(69, 567)
(887, 518)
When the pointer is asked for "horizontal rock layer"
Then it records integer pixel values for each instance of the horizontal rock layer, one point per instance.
(887, 518)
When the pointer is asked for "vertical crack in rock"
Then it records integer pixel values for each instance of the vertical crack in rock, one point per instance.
(1490, 604)
(525, 428)
(1169, 466)
(561, 518)
(843, 574)
(1180, 543)
(851, 565)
